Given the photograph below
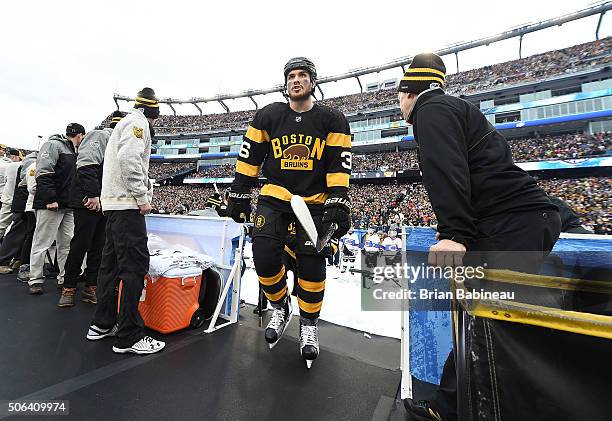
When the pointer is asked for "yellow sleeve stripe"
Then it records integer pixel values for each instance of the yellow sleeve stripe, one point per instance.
(247, 169)
(424, 70)
(310, 286)
(309, 307)
(337, 179)
(338, 139)
(277, 295)
(256, 135)
(272, 279)
(424, 78)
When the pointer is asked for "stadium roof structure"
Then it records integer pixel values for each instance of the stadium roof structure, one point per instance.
(519, 31)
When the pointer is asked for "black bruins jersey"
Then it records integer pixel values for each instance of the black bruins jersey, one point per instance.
(305, 153)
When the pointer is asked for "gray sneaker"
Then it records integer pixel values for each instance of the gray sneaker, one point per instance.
(24, 273)
(67, 297)
(36, 289)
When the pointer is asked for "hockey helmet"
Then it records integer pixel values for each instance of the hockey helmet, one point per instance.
(392, 233)
(301, 63)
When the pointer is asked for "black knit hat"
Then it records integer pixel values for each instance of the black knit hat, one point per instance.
(426, 71)
(15, 152)
(74, 129)
(116, 116)
(149, 103)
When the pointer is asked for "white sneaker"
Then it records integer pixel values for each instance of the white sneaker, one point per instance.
(146, 345)
(94, 333)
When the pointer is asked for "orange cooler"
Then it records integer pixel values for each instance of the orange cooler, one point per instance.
(169, 303)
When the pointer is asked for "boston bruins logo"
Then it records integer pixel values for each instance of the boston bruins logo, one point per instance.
(137, 132)
(260, 221)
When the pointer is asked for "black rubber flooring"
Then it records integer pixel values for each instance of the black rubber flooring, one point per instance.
(228, 375)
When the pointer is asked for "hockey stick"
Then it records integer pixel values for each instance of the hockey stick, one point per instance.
(328, 235)
(305, 218)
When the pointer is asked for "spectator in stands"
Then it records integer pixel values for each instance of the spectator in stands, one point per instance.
(55, 168)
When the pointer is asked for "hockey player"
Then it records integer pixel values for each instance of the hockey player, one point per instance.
(371, 247)
(392, 246)
(350, 250)
(304, 149)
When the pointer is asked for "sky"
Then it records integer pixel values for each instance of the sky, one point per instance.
(61, 61)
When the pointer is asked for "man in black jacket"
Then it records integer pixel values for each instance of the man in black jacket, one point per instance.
(55, 167)
(89, 222)
(482, 200)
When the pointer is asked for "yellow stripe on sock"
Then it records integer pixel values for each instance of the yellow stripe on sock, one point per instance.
(272, 280)
(310, 286)
(278, 295)
(310, 307)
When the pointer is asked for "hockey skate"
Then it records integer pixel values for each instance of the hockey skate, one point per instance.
(309, 340)
(278, 323)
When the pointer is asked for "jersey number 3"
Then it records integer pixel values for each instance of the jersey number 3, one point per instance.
(346, 160)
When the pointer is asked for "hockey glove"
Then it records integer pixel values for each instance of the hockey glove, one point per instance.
(239, 204)
(337, 209)
(217, 204)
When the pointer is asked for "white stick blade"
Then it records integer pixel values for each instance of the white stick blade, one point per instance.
(305, 218)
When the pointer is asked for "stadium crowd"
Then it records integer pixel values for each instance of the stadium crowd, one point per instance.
(386, 161)
(217, 171)
(590, 198)
(539, 66)
(376, 205)
(159, 170)
(565, 146)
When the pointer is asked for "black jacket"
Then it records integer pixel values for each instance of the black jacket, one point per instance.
(55, 167)
(467, 167)
(87, 181)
